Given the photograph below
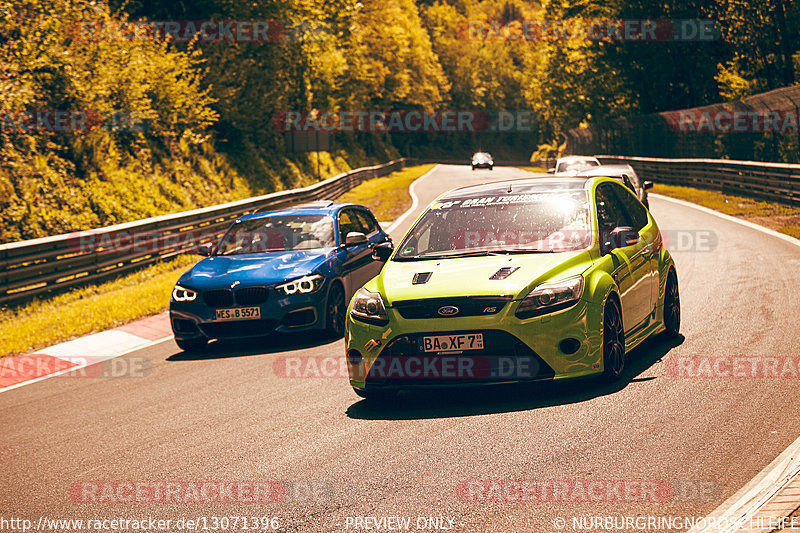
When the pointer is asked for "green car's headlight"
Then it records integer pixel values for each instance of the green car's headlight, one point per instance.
(368, 307)
(303, 285)
(182, 294)
(550, 297)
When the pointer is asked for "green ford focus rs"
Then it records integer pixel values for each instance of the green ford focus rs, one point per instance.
(536, 279)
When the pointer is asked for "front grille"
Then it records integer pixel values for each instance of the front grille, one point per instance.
(218, 298)
(504, 358)
(467, 306)
(238, 328)
(251, 295)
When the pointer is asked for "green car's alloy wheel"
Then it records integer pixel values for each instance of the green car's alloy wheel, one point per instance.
(672, 306)
(613, 342)
(191, 345)
(336, 309)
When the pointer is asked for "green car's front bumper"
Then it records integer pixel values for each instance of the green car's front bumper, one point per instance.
(514, 350)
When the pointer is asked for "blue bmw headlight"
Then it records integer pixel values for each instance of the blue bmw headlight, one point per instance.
(182, 294)
(304, 285)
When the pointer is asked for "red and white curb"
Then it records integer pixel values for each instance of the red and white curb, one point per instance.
(67, 357)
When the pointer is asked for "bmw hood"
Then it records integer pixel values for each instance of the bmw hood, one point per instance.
(511, 275)
(253, 269)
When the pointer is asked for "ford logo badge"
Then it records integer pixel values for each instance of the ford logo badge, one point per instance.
(448, 310)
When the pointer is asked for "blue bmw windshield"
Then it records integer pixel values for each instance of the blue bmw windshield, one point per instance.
(278, 233)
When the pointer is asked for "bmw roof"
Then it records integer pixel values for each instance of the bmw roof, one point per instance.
(322, 207)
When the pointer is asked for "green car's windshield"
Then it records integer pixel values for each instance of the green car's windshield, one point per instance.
(533, 222)
(278, 233)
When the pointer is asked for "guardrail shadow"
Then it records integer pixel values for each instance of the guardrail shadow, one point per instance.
(270, 344)
(446, 403)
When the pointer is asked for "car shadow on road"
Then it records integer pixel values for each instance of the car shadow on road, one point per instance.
(445, 403)
(272, 344)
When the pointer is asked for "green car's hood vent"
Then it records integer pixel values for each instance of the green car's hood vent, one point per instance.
(504, 272)
(508, 275)
(420, 278)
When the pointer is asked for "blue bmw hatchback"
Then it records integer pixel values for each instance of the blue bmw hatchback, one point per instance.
(288, 270)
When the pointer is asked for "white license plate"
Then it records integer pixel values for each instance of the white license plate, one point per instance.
(452, 343)
(239, 313)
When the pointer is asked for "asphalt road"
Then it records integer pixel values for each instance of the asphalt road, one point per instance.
(232, 415)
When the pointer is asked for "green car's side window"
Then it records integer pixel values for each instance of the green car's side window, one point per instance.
(634, 209)
(610, 212)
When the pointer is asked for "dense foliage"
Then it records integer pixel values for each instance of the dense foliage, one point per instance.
(208, 107)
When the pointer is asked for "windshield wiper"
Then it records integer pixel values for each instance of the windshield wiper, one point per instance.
(451, 254)
(442, 255)
(527, 251)
(480, 253)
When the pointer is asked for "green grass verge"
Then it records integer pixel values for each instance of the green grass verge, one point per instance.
(50, 320)
(387, 197)
(775, 216)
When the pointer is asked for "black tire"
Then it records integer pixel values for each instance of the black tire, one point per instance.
(672, 306)
(473, 167)
(378, 396)
(191, 345)
(335, 311)
(491, 168)
(613, 342)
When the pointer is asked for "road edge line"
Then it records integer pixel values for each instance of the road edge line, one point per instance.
(757, 493)
(414, 200)
(747, 223)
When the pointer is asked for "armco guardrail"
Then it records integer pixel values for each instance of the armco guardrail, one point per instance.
(33, 267)
(778, 182)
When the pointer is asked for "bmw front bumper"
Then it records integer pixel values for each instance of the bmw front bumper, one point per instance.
(282, 314)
